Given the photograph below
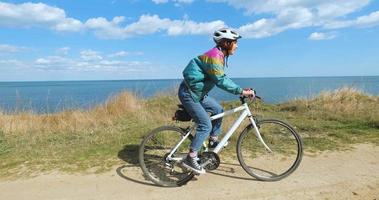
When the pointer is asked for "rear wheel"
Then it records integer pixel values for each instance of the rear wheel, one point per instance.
(281, 138)
(154, 150)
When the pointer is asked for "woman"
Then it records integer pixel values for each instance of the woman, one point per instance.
(200, 76)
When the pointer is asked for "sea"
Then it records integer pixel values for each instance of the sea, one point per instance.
(55, 96)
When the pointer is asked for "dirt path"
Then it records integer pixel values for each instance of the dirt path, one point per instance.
(338, 175)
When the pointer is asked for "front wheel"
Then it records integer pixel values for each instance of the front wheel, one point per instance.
(284, 142)
(153, 152)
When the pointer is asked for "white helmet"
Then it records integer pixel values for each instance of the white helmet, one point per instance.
(225, 33)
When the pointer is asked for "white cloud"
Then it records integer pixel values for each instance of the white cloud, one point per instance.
(106, 29)
(89, 61)
(122, 66)
(322, 36)
(321, 8)
(369, 20)
(90, 55)
(53, 63)
(160, 1)
(149, 24)
(125, 53)
(288, 19)
(187, 27)
(42, 15)
(173, 27)
(69, 25)
(6, 48)
(333, 9)
(363, 21)
(281, 15)
(177, 2)
(36, 15)
(183, 1)
(13, 64)
(63, 50)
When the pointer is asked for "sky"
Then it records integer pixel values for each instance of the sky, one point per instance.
(155, 39)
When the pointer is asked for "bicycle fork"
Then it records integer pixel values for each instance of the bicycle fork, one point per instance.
(258, 134)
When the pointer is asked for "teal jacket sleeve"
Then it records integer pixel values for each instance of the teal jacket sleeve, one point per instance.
(217, 75)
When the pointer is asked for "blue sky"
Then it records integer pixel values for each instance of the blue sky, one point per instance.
(155, 39)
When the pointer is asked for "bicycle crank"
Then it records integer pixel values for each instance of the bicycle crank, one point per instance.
(209, 160)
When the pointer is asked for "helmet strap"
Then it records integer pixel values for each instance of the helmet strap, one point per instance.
(226, 54)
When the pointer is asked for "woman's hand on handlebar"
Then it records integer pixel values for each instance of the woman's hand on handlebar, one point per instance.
(248, 92)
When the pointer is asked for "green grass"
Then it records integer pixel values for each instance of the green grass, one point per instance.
(95, 141)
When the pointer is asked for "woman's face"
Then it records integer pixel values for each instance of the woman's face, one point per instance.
(233, 47)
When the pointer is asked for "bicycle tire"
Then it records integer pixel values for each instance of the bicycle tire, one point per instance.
(153, 150)
(282, 139)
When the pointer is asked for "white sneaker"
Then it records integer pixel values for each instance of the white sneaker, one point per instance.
(193, 165)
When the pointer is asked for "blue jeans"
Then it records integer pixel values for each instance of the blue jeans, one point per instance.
(199, 113)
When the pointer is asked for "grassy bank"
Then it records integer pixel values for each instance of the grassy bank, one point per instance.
(108, 135)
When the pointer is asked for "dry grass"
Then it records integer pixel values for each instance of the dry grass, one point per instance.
(344, 105)
(350, 104)
(71, 140)
(335, 119)
(74, 121)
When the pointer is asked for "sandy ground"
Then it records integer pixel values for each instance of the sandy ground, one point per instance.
(332, 175)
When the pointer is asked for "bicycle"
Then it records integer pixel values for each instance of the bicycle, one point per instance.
(267, 149)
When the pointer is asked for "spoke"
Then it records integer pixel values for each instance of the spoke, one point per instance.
(156, 141)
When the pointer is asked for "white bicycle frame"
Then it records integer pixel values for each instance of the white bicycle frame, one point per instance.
(245, 113)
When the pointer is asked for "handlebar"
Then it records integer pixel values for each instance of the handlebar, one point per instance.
(243, 98)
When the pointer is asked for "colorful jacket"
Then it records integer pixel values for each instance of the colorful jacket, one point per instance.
(204, 72)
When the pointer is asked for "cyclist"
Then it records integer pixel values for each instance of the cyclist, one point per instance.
(200, 76)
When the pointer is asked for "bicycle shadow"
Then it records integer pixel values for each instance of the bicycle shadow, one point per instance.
(229, 170)
(129, 154)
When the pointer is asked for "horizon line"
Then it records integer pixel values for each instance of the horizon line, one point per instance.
(157, 79)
